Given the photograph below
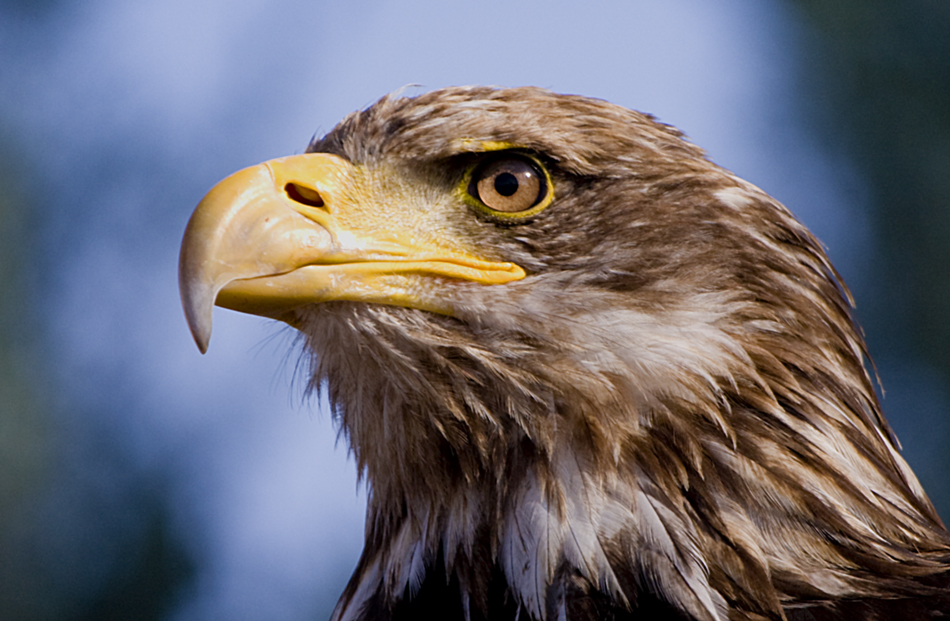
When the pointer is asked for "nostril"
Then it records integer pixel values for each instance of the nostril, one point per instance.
(304, 195)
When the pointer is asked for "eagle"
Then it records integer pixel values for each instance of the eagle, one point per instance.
(585, 372)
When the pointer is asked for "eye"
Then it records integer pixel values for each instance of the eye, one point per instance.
(510, 185)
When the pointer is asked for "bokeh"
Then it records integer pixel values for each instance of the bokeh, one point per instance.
(141, 480)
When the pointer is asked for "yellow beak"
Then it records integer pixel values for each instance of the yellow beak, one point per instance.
(298, 230)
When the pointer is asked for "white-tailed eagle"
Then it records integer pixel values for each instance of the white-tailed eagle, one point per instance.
(586, 373)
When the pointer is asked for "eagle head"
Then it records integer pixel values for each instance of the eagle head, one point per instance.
(586, 372)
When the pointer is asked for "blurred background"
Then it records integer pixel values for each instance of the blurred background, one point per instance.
(141, 480)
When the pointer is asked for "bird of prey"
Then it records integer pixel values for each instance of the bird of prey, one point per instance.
(586, 373)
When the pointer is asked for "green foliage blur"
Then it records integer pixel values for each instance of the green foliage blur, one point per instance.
(877, 87)
(880, 88)
(23, 446)
(38, 580)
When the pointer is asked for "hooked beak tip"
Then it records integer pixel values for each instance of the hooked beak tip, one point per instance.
(197, 301)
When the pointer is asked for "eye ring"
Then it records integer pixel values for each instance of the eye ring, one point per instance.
(508, 186)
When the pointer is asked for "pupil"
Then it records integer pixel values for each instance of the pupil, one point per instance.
(506, 184)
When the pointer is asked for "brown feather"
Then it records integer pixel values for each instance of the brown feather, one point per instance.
(670, 417)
